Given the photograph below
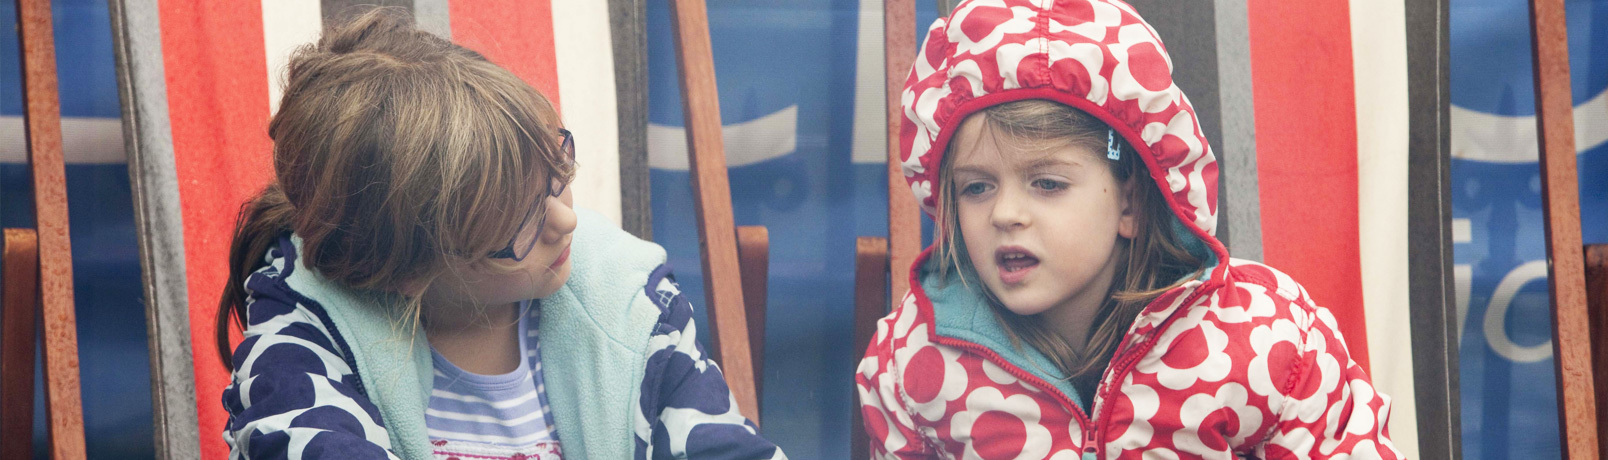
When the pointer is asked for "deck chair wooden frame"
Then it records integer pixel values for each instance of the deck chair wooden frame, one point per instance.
(38, 269)
(1560, 197)
(20, 270)
(734, 286)
(882, 265)
(1596, 275)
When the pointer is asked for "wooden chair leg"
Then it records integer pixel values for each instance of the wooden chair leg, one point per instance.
(881, 265)
(1560, 198)
(870, 304)
(716, 230)
(904, 220)
(1597, 308)
(753, 254)
(20, 270)
(42, 107)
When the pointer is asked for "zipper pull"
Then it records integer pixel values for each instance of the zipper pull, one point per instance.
(1089, 446)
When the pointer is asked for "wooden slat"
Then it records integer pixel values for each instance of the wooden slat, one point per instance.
(753, 251)
(1561, 202)
(904, 217)
(1597, 305)
(20, 270)
(870, 303)
(716, 230)
(43, 114)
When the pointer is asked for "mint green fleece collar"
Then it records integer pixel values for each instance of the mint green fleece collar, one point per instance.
(594, 336)
(389, 349)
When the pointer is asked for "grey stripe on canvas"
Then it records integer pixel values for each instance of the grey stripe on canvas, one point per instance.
(1190, 33)
(148, 141)
(433, 17)
(628, 26)
(336, 11)
(1239, 198)
(1431, 302)
(430, 15)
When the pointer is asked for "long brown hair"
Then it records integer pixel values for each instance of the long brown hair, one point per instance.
(397, 154)
(1156, 258)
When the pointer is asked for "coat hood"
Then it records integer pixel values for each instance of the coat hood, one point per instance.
(1097, 56)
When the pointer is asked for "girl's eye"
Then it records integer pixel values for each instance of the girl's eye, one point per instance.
(1048, 185)
(974, 189)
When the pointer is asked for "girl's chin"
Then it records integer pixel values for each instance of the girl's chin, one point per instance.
(1022, 307)
(554, 284)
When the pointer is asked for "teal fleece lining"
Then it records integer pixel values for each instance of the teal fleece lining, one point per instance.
(1196, 247)
(959, 311)
(594, 336)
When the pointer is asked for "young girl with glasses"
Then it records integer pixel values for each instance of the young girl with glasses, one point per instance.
(1075, 303)
(416, 282)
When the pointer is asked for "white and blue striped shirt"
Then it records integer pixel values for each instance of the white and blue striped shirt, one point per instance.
(493, 416)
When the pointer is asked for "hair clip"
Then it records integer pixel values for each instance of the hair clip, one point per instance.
(1113, 151)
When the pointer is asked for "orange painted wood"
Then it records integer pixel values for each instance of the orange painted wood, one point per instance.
(1597, 304)
(43, 115)
(1560, 198)
(870, 304)
(753, 253)
(904, 218)
(716, 230)
(20, 270)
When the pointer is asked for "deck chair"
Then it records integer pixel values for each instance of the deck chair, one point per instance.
(1579, 396)
(176, 123)
(37, 267)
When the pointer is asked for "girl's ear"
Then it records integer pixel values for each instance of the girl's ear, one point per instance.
(1127, 225)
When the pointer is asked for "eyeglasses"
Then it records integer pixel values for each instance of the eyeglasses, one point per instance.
(554, 188)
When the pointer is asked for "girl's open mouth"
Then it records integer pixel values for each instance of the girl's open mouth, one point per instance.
(1014, 263)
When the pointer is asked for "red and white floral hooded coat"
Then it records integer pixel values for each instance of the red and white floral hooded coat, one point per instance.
(1240, 362)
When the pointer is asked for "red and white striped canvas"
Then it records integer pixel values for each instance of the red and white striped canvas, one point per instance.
(1330, 85)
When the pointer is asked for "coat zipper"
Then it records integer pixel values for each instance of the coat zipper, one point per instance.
(1131, 356)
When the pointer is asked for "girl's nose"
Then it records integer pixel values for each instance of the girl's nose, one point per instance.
(1009, 210)
(561, 220)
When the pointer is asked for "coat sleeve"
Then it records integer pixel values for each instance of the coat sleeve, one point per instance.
(888, 425)
(1330, 406)
(686, 410)
(293, 395)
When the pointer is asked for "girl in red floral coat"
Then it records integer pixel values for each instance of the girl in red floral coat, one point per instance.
(1076, 303)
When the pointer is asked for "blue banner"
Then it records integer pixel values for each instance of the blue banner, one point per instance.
(802, 110)
(1509, 389)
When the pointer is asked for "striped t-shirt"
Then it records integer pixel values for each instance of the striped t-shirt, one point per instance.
(473, 416)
